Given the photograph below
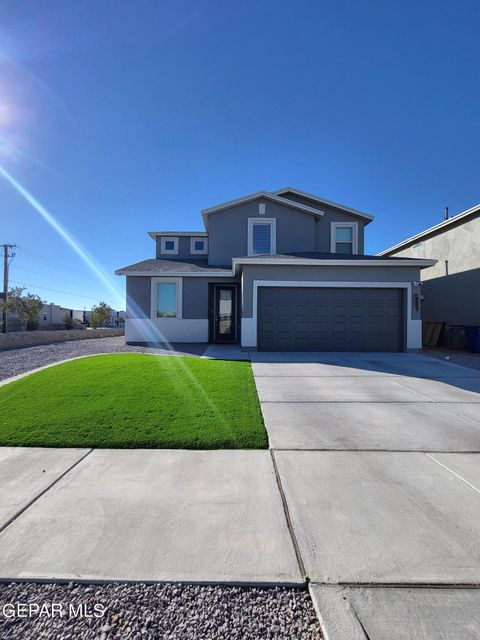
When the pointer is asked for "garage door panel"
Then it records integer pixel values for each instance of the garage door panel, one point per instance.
(329, 319)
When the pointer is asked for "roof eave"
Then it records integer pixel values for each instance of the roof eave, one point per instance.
(176, 274)
(330, 203)
(155, 234)
(431, 230)
(414, 262)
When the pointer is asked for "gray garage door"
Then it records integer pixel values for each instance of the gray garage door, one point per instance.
(322, 319)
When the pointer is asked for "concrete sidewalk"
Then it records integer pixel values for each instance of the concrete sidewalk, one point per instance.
(188, 516)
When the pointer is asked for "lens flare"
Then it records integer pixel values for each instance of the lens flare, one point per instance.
(65, 235)
(152, 335)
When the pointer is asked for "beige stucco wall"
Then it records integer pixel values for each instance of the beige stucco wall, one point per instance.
(451, 288)
(459, 244)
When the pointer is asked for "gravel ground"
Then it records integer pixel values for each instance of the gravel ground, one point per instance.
(463, 358)
(159, 611)
(20, 360)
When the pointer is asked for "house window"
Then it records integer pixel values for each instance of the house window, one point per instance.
(344, 238)
(44, 317)
(167, 300)
(261, 236)
(166, 297)
(417, 245)
(198, 245)
(169, 245)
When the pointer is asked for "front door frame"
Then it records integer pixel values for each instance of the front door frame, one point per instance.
(213, 306)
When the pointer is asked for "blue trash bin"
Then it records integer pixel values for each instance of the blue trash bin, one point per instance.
(473, 339)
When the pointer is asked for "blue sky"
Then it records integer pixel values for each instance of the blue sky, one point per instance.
(122, 117)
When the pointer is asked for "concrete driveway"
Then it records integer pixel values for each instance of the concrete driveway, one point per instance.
(378, 459)
(391, 402)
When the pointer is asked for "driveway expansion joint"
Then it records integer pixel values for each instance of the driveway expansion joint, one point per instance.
(453, 473)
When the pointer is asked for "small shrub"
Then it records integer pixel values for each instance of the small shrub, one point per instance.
(68, 321)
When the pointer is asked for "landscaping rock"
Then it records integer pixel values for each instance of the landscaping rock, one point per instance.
(173, 611)
(20, 360)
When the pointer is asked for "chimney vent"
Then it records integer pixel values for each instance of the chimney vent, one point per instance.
(445, 214)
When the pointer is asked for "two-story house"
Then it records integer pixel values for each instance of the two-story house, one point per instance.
(275, 271)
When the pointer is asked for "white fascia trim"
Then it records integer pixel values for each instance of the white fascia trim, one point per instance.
(177, 274)
(153, 297)
(329, 203)
(273, 233)
(335, 263)
(412, 325)
(171, 252)
(194, 251)
(333, 236)
(261, 194)
(438, 227)
(155, 234)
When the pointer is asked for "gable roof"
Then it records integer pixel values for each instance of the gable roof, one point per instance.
(254, 196)
(437, 228)
(322, 201)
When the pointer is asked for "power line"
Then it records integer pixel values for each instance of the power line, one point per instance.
(48, 261)
(68, 293)
(46, 275)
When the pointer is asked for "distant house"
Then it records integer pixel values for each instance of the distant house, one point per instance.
(117, 318)
(451, 286)
(275, 271)
(52, 315)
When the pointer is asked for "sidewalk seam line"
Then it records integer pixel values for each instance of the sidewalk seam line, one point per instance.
(39, 495)
(286, 511)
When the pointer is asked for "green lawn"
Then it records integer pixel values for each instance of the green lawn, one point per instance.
(135, 400)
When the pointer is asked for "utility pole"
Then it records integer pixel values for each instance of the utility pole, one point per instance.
(6, 255)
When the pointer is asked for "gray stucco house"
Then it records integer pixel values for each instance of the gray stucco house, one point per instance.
(276, 271)
(451, 286)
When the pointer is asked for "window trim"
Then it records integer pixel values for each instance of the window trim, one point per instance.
(153, 297)
(163, 250)
(273, 235)
(333, 236)
(194, 251)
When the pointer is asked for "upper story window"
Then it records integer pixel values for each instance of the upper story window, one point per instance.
(344, 238)
(261, 236)
(169, 245)
(199, 245)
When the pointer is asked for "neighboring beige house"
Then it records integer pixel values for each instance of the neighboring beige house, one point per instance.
(451, 287)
